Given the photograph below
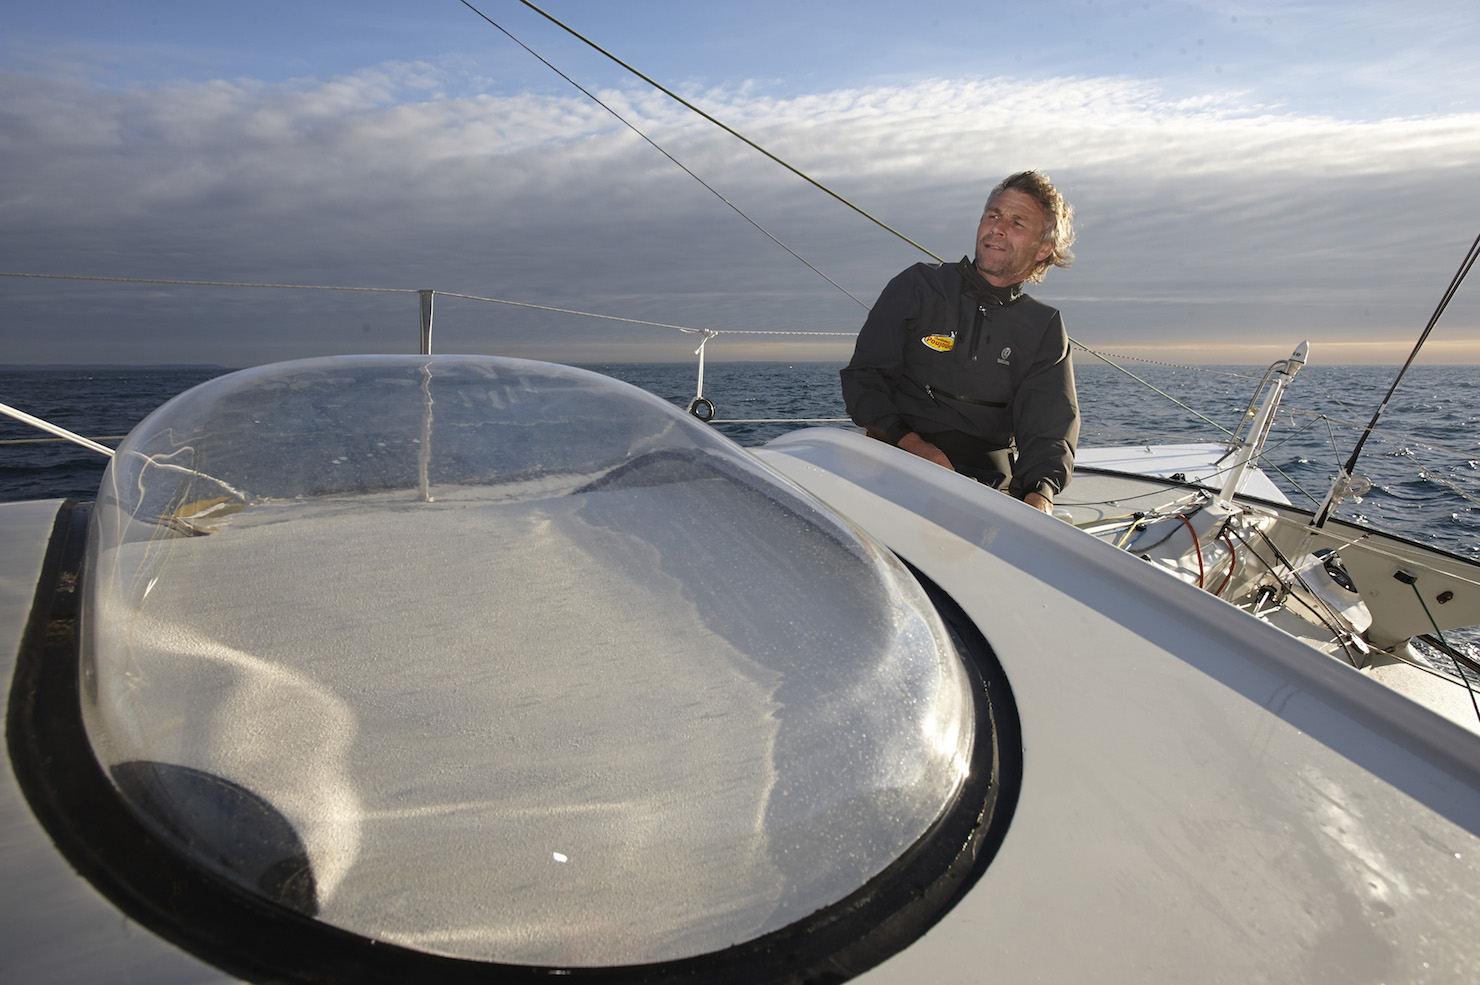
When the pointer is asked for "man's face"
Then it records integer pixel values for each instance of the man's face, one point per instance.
(1009, 241)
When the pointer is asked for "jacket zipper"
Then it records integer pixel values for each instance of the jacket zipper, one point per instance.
(976, 331)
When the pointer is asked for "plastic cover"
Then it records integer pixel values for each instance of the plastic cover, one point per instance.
(505, 661)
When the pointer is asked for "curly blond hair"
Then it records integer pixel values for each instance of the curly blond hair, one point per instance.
(1058, 221)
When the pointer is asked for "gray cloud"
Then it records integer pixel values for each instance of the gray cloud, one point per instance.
(1204, 221)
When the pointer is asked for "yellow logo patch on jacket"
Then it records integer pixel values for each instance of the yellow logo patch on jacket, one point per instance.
(940, 343)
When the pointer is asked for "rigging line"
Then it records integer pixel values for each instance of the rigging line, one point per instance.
(1425, 472)
(1218, 473)
(1197, 495)
(385, 290)
(1330, 434)
(1461, 662)
(1440, 633)
(1398, 442)
(1290, 479)
(211, 283)
(52, 441)
(55, 429)
(1308, 377)
(584, 314)
(595, 99)
(1423, 664)
(1232, 560)
(730, 130)
(1388, 436)
(1158, 362)
(1153, 389)
(1401, 442)
(1135, 436)
(1323, 610)
(636, 321)
(1264, 460)
(1182, 515)
(763, 331)
(1129, 530)
(780, 420)
(1459, 276)
(1197, 549)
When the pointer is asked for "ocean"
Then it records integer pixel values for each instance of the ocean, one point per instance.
(1424, 459)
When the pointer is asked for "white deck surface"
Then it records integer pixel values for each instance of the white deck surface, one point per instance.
(1198, 462)
(25, 529)
(1204, 799)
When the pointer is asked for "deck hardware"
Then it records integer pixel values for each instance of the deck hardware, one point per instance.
(702, 409)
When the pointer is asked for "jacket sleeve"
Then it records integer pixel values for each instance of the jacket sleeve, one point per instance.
(1045, 415)
(874, 374)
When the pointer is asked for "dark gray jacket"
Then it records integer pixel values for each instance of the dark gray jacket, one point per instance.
(943, 350)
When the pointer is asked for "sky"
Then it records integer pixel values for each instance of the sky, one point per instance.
(1245, 175)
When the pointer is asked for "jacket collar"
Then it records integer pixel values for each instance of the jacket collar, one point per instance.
(975, 286)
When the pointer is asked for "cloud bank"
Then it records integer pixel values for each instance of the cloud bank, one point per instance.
(1205, 223)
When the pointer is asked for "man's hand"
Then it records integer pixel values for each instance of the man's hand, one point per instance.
(1039, 502)
(916, 445)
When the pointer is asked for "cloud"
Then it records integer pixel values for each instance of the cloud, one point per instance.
(1214, 217)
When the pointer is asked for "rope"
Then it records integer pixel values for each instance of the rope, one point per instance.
(383, 290)
(445, 294)
(1232, 560)
(52, 441)
(781, 420)
(55, 429)
(1196, 547)
(1398, 442)
(759, 331)
(1153, 389)
(1322, 609)
(1474, 701)
(1464, 666)
(1464, 268)
(1386, 435)
(686, 170)
(1424, 472)
(1107, 356)
(571, 311)
(212, 283)
(727, 129)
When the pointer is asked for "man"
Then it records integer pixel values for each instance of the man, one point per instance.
(957, 365)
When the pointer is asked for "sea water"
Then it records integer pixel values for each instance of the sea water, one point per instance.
(1423, 457)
